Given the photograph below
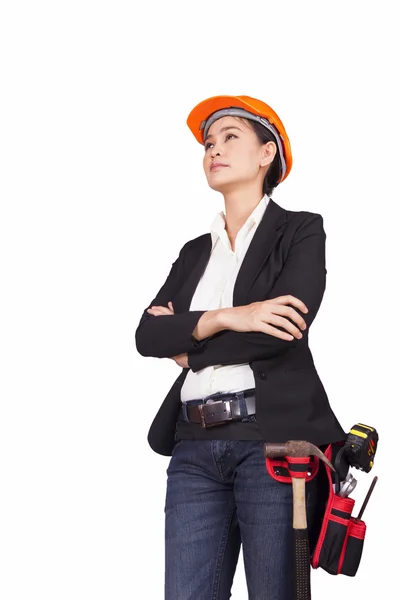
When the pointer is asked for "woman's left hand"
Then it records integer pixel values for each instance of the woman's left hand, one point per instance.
(156, 311)
(161, 310)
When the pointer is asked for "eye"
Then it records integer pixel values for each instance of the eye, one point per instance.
(226, 137)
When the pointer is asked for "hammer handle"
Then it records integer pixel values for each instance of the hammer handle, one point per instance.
(302, 570)
(299, 503)
(301, 544)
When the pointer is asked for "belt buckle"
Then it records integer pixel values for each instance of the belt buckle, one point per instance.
(227, 408)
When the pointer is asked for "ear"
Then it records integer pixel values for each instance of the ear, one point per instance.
(268, 153)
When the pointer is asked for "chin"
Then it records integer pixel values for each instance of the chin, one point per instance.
(221, 184)
(217, 187)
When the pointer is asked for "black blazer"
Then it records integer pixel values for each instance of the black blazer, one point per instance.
(285, 256)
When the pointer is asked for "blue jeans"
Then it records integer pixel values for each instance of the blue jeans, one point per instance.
(219, 496)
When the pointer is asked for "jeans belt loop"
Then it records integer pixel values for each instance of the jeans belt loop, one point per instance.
(242, 404)
(185, 412)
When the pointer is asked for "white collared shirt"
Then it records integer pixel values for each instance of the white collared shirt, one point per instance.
(215, 290)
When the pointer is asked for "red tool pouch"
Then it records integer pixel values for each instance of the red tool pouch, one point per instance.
(340, 542)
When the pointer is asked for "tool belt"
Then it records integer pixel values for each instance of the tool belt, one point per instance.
(340, 542)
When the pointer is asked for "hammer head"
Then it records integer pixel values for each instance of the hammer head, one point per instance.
(293, 448)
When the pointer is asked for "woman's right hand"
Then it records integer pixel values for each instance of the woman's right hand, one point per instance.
(262, 316)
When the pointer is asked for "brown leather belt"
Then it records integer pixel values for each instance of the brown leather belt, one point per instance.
(222, 409)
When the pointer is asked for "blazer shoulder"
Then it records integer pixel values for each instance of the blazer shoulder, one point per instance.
(195, 244)
(304, 221)
(299, 224)
(302, 217)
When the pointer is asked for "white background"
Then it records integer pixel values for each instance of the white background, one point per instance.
(101, 185)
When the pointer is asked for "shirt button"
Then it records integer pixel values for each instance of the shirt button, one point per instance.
(262, 375)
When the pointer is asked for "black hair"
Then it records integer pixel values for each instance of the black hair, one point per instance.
(271, 179)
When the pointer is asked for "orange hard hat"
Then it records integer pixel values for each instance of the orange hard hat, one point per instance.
(208, 111)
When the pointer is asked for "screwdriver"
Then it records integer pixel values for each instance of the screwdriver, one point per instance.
(367, 497)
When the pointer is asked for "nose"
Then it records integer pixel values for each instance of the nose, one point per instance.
(215, 151)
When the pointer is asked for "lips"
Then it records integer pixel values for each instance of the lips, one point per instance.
(217, 166)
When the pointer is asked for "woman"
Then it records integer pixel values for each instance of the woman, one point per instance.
(234, 313)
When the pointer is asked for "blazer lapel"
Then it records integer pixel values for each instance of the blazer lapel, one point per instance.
(267, 234)
(195, 265)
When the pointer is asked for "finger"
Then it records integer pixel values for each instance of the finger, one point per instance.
(265, 328)
(292, 314)
(159, 307)
(160, 310)
(157, 313)
(181, 360)
(289, 299)
(286, 324)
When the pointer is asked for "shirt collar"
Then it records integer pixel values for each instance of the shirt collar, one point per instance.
(218, 225)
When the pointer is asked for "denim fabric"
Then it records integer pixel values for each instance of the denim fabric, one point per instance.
(219, 496)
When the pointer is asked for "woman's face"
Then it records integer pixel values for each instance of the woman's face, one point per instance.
(235, 144)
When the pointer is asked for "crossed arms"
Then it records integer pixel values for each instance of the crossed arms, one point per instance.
(303, 276)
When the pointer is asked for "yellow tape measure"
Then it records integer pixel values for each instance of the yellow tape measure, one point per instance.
(360, 446)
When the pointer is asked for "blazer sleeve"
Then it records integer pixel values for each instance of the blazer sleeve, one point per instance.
(303, 276)
(165, 336)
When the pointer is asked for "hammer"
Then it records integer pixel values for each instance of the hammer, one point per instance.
(297, 453)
